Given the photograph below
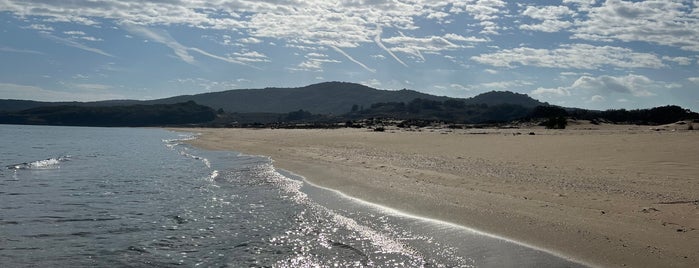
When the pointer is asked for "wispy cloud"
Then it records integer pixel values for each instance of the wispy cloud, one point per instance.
(163, 38)
(352, 59)
(88, 92)
(75, 44)
(377, 39)
(15, 50)
(180, 50)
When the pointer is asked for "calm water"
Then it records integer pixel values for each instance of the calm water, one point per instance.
(72, 197)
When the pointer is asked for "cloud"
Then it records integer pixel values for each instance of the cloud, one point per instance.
(377, 39)
(416, 45)
(163, 38)
(17, 50)
(669, 23)
(693, 80)
(75, 44)
(353, 60)
(91, 86)
(180, 50)
(29, 92)
(636, 85)
(314, 62)
(551, 17)
(559, 91)
(684, 61)
(597, 98)
(486, 11)
(74, 33)
(40, 27)
(605, 85)
(250, 40)
(575, 56)
(250, 56)
(301, 24)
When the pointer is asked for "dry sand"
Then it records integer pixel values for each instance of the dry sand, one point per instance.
(613, 196)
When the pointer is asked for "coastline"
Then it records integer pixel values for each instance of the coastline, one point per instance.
(615, 196)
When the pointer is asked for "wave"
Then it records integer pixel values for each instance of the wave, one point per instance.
(49, 163)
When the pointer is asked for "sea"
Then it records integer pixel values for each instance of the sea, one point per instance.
(137, 197)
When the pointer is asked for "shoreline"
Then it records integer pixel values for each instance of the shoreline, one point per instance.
(527, 189)
(393, 211)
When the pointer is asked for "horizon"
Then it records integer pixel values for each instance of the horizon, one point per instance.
(574, 53)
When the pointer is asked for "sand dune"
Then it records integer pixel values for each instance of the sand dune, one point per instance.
(607, 195)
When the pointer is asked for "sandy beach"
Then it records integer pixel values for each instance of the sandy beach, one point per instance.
(610, 195)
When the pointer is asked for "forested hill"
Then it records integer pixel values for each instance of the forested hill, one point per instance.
(112, 116)
(324, 98)
(335, 98)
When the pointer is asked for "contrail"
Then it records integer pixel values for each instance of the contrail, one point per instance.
(77, 45)
(352, 59)
(220, 58)
(377, 39)
(180, 50)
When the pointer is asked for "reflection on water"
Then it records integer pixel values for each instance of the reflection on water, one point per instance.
(137, 197)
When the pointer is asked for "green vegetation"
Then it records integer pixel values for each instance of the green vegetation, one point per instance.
(331, 104)
(132, 115)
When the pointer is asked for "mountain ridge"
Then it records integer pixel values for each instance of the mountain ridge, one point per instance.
(321, 98)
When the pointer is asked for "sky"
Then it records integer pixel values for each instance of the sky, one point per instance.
(576, 53)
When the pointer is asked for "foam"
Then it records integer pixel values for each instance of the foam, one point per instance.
(48, 163)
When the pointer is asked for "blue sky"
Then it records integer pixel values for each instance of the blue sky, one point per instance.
(577, 53)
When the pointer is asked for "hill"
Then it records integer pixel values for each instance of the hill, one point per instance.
(112, 116)
(324, 98)
(505, 97)
(335, 98)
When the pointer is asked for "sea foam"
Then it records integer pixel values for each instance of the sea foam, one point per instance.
(48, 163)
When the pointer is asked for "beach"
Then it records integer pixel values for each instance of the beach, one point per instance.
(604, 195)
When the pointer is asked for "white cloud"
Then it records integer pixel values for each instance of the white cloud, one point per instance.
(181, 51)
(75, 44)
(417, 45)
(693, 80)
(459, 38)
(250, 56)
(636, 85)
(631, 84)
(375, 83)
(670, 23)
(74, 33)
(314, 62)
(17, 50)
(597, 98)
(40, 27)
(684, 61)
(91, 86)
(486, 11)
(90, 38)
(575, 56)
(304, 24)
(377, 39)
(353, 60)
(250, 40)
(460, 87)
(548, 26)
(559, 91)
(551, 17)
(29, 92)
(163, 38)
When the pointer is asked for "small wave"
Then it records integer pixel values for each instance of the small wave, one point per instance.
(48, 163)
(213, 175)
(206, 162)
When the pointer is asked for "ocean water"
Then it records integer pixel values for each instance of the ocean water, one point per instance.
(121, 197)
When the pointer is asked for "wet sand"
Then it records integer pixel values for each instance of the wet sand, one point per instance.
(612, 196)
